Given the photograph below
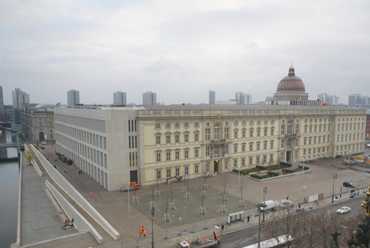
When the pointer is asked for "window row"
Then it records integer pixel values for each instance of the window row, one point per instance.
(217, 134)
(169, 125)
(253, 160)
(316, 150)
(316, 128)
(170, 139)
(316, 140)
(131, 125)
(348, 126)
(132, 141)
(349, 137)
(176, 155)
(170, 172)
(350, 148)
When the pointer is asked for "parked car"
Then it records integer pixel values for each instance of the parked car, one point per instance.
(348, 184)
(43, 143)
(69, 161)
(343, 210)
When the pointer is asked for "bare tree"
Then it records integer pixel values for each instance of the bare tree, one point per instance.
(224, 197)
(166, 207)
(242, 185)
(171, 204)
(152, 202)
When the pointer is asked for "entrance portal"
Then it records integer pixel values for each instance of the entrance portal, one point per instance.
(41, 136)
(288, 157)
(215, 166)
(133, 176)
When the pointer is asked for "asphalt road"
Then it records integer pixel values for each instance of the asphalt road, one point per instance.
(245, 237)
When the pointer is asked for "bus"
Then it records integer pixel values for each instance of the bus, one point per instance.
(279, 242)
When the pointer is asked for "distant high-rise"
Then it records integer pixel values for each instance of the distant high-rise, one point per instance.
(212, 97)
(119, 98)
(19, 98)
(326, 98)
(358, 100)
(2, 110)
(243, 98)
(149, 98)
(73, 97)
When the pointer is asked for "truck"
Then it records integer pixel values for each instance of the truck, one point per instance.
(269, 205)
(130, 186)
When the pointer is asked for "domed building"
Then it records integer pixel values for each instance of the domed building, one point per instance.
(291, 91)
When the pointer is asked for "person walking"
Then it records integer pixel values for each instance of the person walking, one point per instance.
(65, 170)
(299, 205)
(222, 226)
(142, 228)
(248, 217)
(317, 202)
(287, 196)
(90, 193)
(144, 233)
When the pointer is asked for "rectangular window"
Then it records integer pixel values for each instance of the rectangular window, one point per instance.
(159, 174)
(272, 132)
(235, 134)
(282, 129)
(258, 133)
(158, 126)
(168, 139)
(296, 128)
(310, 140)
(177, 125)
(168, 156)
(265, 132)
(265, 145)
(186, 154)
(168, 173)
(271, 157)
(177, 138)
(216, 131)
(314, 140)
(196, 153)
(177, 155)
(235, 149)
(243, 134)
(264, 158)
(196, 169)
(226, 165)
(258, 146)
(216, 151)
(272, 145)
(207, 151)
(282, 144)
(158, 140)
(243, 161)
(177, 172)
(168, 125)
(250, 147)
(208, 134)
(258, 160)
(158, 157)
(186, 138)
(304, 152)
(226, 132)
(235, 163)
(186, 170)
(328, 138)
(196, 124)
(186, 124)
(243, 148)
(251, 133)
(196, 137)
(129, 141)
(289, 128)
(319, 139)
(250, 160)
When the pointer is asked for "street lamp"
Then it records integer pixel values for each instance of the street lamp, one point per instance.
(264, 193)
(332, 195)
(259, 221)
(128, 196)
(153, 216)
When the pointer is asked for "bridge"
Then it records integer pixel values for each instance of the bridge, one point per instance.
(6, 145)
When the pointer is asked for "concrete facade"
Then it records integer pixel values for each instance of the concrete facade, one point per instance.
(119, 145)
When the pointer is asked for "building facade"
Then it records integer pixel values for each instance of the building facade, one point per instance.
(243, 98)
(19, 98)
(155, 143)
(149, 98)
(331, 99)
(119, 98)
(73, 97)
(212, 97)
(38, 123)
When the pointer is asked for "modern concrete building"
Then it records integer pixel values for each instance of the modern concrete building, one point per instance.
(119, 98)
(38, 122)
(149, 98)
(116, 145)
(243, 98)
(291, 91)
(212, 97)
(73, 97)
(19, 98)
(357, 100)
(331, 99)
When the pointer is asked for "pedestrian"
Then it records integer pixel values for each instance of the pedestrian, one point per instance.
(222, 226)
(287, 197)
(72, 220)
(65, 222)
(248, 217)
(65, 170)
(144, 233)
(299, 205)
(55, 167)
(91, 194)
(317, 202)
(139, 233)
(142, 228)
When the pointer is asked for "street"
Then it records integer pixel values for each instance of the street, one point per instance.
(247, 236)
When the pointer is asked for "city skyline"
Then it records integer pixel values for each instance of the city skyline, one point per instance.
(175, 48)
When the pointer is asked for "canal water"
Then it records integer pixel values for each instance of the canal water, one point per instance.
(9, 184)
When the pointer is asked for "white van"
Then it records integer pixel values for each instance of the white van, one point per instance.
(270, 205)
(43, 143)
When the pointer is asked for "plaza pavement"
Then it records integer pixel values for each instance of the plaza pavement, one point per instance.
(46, 224)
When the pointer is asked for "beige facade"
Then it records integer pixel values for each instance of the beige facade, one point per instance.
(38, 123)
(155, 143)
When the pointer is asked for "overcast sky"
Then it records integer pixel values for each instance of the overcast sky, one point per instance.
(181, 49)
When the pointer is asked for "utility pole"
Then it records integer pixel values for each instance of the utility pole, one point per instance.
(259, 222)
(332, 195)
(153, 216)
(264, 193)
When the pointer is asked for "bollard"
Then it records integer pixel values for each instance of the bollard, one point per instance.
(166, 234)
(205, 225)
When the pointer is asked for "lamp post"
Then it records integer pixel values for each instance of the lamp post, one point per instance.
(332, 195)
(259, 222)
(264, 193)
(128, 197)
(153, 216)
